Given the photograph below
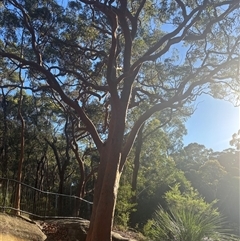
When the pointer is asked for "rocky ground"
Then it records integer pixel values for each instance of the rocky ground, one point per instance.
(18, 229)
(23, 229)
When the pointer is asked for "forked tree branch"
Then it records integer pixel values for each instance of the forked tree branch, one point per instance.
(53, 83)
(176, 101)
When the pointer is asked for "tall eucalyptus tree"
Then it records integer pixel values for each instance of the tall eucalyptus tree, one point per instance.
(122, 54)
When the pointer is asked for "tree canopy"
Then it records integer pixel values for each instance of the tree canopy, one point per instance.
(118, 57)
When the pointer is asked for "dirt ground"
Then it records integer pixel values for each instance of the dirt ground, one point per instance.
(14, 228)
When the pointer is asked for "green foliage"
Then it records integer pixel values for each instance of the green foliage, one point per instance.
(157, 182)
(214, 175)
(191, 157)
(235, 141)
(189, 198)
(156, 169)
(124, 206)
(185, 224)
(188, 218)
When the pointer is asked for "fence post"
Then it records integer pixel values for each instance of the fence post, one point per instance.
(46, 205)
(56, 205)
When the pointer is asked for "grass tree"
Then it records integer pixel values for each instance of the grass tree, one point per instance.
(185, 224)
(188, 219)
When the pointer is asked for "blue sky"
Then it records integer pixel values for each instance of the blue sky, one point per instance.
(213, 123)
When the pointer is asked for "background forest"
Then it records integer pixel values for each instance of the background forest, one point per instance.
(160, 171)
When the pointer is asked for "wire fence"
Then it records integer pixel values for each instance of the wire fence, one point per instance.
(41, 204)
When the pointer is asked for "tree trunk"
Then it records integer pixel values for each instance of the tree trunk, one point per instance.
(5, 147)
(17, 201)
(81, 185)
(60, 208)
(105, 195)
(80, 193)
(103, 210)
(139, 142)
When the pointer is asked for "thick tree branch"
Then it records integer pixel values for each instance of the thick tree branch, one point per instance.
(30, 28)
(172, 38)
(176, 101)
(183, 7)
(55, 86)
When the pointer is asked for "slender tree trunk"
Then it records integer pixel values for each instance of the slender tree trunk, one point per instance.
(17, 201)
(80, 192)
(81, 185)
(36, 186)
(139, 143)
(62, 166)
(60, 191)
(4, 149)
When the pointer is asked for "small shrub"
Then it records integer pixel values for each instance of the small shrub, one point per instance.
(124, 206)
(189, 218)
